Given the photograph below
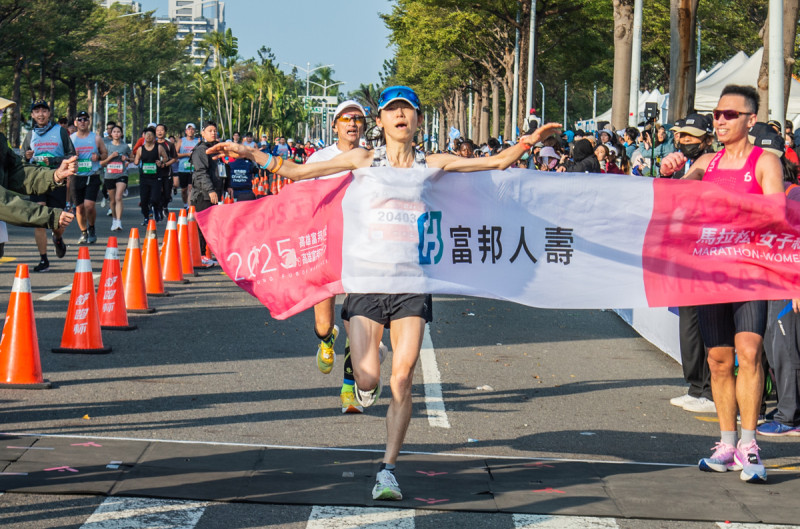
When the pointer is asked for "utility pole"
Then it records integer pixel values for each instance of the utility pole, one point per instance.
(308, 71)
(515, 102)
(531, 58)
(776, 75)
(636, 64)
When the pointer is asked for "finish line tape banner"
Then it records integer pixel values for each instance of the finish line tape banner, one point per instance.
(540, 239)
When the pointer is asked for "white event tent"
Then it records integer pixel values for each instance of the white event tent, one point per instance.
(739, 69)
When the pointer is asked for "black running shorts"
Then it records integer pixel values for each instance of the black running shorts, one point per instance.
(383, 308)
(111, 183)
(720, 323)
(184, 180)
(84, 188)
(56, 198)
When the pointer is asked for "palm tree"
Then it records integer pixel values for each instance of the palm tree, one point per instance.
(222, 51)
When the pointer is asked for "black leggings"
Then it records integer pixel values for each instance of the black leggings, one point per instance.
(150, 195)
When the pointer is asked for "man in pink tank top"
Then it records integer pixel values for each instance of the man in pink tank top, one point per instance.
(726, 327)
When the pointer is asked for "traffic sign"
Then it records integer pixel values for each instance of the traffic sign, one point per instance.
(330, 100)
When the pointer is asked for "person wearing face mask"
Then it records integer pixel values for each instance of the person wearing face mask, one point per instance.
(694, 140)
(695, 133)
(549, 158)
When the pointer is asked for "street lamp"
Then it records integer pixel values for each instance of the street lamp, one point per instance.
(308, 74)
(158, 93)
(325, 130)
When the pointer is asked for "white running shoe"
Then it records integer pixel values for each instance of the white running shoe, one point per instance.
(367, 398)
(701, 405)
(682, 400)
(386, 487)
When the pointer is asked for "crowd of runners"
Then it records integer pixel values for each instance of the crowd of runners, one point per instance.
(197, 169)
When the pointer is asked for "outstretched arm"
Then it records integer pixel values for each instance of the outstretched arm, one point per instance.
(354, 159)
(502, 160)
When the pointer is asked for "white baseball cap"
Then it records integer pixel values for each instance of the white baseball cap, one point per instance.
(344, 105)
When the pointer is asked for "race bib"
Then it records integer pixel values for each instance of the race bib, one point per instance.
(149, 168)
(115, 168)
(84, 166)
(42, 160)
(394, 220)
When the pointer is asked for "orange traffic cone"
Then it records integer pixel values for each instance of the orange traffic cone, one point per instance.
(111, 292)
(153, 281)
(171, 267)
(133, 277)
(20, 366)
(184, 243)
(194, 239)
(151, 232)
(273, 187)
(228, 199)
(82, 327)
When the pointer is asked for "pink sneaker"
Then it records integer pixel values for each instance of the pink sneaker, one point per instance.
(747, 457)
(721, 460)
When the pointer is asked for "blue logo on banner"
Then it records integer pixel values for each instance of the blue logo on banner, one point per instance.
(430, 237)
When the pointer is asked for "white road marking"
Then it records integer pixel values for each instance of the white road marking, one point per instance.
(547, 521)
(734, 525)
(141, 513)
(363, 450)
(434, 403)
(360, 517)
(63, 290)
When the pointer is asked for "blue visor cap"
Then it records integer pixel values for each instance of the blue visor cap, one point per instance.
(393, 93)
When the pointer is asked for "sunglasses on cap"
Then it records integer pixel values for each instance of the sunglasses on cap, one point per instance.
(347, 118)
(730, 114)
(398, 92)
(81, 119)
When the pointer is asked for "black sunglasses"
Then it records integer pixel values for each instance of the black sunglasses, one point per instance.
(730, 114)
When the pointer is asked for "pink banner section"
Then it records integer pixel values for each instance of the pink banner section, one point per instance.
(707, 245)
(284, 250)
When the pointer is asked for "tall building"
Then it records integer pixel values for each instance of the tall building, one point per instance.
(137, 7)
(197, 17)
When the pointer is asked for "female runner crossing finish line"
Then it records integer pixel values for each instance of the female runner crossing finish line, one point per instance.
(404, 314)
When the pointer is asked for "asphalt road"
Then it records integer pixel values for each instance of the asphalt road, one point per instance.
(211, 365)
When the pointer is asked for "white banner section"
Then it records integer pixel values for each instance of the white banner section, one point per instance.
(548, 240)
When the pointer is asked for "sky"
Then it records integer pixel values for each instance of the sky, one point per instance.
(346, 33)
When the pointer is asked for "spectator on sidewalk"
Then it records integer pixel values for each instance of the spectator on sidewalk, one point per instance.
(782, 338)
(696, 133)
